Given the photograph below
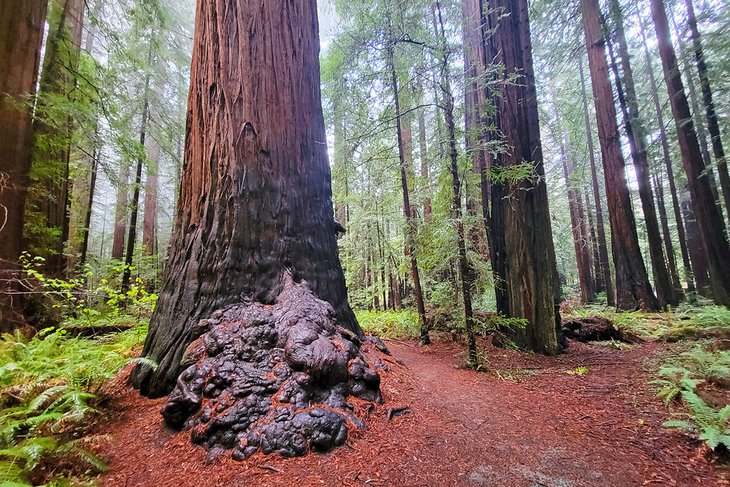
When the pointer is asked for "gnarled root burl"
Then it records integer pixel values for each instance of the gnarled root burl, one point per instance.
(272, 377)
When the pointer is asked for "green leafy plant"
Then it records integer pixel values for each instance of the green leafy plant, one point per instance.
(672, 382)
(579, 371)
(703, 421)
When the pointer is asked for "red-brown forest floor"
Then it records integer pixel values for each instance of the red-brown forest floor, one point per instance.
(522, 422)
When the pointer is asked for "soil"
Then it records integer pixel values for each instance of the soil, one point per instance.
(585, 418)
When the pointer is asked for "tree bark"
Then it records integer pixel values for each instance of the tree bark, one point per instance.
(633, 290)
(709, 217)
(425, 173)
(21, 35)
(255, 223)
(667, 156)
(636, 135)
(50, 199)
(603, 278)
(697, 254)
(530, 273)
(666, 234)
(712, 125)
(149, 222)
(121, 210)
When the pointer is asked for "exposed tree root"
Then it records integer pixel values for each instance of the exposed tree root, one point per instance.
(272, 377)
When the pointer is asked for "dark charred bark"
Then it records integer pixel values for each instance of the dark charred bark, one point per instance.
(603, 278)
(21, 35)
(712, 125)
(525, 251)
(407, 210)
(636, 135)
(254, 305)
(633, 290)
(667, 156)
(709, 217)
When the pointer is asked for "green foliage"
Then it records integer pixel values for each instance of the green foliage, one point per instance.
(389, 324)
(579, 371)
(708, 424)
(50, 389)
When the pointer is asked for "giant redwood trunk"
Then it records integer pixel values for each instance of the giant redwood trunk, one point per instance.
(520, 208)
(253, 320)
(21, 34)
(633, 290)
(709, 217)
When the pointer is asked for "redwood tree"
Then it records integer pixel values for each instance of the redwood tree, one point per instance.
(709, 217)
(254, 302)
(633, 290)
(21, 34)
(521, 231)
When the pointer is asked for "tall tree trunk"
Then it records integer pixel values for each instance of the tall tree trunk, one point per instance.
(530, 271)
(633, 290)
(666, 234)
(667, 156)
(712, 126)
(709, 217)
(253, 265)
(423, 154)
(577, 223)
(603, 278)
(465, 273)
(149, 222)
(50, 199)
(88, 210)
(407, 210)
(121, 211)
(593, 241)
(21, 35)
(700, 266)
(636, 135)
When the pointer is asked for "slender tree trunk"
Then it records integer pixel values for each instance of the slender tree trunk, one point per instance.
(633, 290)
(52, 144)
(423, 154)
(407, 210)
(149, 224)
(709, 217)
(530, 272)
(636, 135)
(593, 241)
(465, 273)
(700, 266)
(667, 156)
(712, 125)
(121, 211)
(21, 35)
(604, 276)
(666, 234)
(577, 223)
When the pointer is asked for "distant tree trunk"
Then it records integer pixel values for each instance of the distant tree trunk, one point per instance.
(121, 211)
(474, 105)
(636, 135)
(603, 278)
(712, 124)
(667, 156)
(88, 210)
(21, 35)
(149, 223)
(700, 266)
(530, 272)
(52, 144)
(407, 210)
(633, 290)
(577, 223)
(593, 240)
(709, 217)
(465, 273)
(666, 234)
(423, 151)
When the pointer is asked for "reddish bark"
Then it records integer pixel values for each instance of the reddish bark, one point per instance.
(709, 217)
(633, 290)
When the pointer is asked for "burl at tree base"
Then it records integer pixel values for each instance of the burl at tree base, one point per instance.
(272, 377)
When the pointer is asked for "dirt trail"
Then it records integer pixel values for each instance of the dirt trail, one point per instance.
(526, 422)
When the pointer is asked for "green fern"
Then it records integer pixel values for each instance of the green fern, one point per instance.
(703, 421)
